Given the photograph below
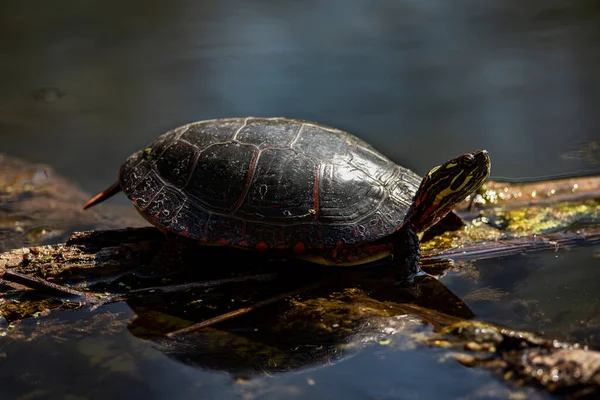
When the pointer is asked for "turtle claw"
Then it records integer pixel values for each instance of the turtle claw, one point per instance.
(407, 281)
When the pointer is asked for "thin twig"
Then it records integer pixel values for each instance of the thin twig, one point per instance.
(52, 289)
(14, 286)
(238, 312)
(156, 290)
(202, 284)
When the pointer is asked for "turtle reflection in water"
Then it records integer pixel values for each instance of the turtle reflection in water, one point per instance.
(295, 187)
(331, 322)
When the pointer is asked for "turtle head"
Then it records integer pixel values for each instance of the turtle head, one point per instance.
(446, 186)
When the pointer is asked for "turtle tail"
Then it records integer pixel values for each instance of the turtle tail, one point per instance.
(100, 197)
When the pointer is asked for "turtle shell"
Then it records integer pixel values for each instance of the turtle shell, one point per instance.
(268, 183)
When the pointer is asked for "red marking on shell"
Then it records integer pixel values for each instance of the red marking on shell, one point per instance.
(249, 176)
(193, 167)
(160, 228)
(282, 242)
(262, 246)
(185, 233)
(379, 248)
(299, 247)
(150, 201)
(222, 241)
(243, 235)
(316, 193)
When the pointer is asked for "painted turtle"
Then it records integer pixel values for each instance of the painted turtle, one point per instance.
(274, 183)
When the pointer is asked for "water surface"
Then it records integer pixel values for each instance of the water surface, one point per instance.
(84, 84)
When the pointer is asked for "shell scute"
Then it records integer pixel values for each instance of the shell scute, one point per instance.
(347, 193)
(268, 133)
(190, 220)
(133, 171)
(146, 189)
(164, 206)
(205, 133)
(220, 177)
(330, 144)
(271, 236)
(176, 163)
(307, 234)
(282, 187)
(334, 235)
(223, 227)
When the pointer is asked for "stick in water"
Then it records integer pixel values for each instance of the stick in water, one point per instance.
(238, 312)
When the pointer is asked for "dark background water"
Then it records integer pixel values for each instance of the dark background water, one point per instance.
(422, 81)
(85, 83)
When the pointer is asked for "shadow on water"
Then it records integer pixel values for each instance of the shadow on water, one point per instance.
(338, 315)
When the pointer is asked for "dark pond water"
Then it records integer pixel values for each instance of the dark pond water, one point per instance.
(84, 84)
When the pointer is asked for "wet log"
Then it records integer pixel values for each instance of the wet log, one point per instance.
(98, 266)
(521, 194)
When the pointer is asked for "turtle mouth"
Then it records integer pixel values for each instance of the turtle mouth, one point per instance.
(477, 156)
(478, 162)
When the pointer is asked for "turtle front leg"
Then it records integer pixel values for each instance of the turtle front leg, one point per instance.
(407, 252)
